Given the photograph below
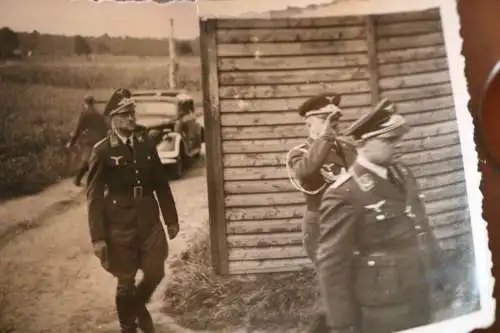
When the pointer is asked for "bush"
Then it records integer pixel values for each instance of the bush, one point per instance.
(199, 299)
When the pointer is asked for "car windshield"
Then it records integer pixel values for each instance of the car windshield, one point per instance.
(155, 113)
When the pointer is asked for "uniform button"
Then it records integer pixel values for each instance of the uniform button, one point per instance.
(371, 263)
(114, 201)
(138, 182)
(136, 171)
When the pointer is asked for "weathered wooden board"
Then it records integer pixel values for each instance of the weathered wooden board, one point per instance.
(278, 159)
(293, 76)
(293, 90)
(284, 145)
(287, 49)
(272, 252)
(415, 80)
(293, 62)
(413, 54)
(414, 67)
(288, 22)
(404, 42)
(264, 226)
(440, 221)
(286, 104)
(418, 112)
(296, 211)
(423, 92)
(421, 15)
(269, 266)
(407, 28)
(277, 35)
(299, 131)
(259, 175)
(292, 198)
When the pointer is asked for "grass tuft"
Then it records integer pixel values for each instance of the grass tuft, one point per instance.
(199, 299)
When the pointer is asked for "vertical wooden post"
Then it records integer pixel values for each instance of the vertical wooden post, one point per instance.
(171, 53)
(371, 40)
(213, 145)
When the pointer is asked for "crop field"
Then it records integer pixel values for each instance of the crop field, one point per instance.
(39, 104)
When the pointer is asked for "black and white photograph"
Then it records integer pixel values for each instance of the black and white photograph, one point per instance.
(230, 166)
(316, 109)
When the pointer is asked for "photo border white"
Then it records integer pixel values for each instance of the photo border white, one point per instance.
(485, 316)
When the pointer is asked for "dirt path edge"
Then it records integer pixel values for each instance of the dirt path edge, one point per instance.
(24, 213)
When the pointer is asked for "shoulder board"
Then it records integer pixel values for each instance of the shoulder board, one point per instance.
(100, 142)
(341, 180)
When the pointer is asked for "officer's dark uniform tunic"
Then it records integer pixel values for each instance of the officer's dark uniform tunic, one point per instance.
(376, 254)
(128, 219)
(306, 162)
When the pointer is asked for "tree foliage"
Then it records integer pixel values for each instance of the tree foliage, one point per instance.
(9, 43)
(81, 46)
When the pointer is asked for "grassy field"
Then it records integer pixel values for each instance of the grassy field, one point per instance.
(40, 100)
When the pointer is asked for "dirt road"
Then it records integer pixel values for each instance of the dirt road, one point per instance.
(51, 281)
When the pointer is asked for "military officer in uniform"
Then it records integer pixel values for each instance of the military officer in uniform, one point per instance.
(92, 125)
(316, 163)
(377, 256)
(125, 225)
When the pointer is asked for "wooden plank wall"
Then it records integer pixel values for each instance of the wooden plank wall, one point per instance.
(266, 68)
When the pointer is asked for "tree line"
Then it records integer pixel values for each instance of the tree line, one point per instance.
(25, 44)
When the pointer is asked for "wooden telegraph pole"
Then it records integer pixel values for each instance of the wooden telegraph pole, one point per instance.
(171, 51)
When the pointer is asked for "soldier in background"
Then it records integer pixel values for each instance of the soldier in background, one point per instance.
(315, 164)
(125, 225)
(377, 256)
(93, 127)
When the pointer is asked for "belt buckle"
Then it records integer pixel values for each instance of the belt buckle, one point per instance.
(137, 192)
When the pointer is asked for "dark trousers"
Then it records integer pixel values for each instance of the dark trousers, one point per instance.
(84, 165)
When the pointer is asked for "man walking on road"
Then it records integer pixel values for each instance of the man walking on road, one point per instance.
(92, 125)
(377, 256)
(125, 225)
(315, 164)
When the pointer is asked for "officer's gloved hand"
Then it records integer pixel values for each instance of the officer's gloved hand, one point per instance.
(101, 251)
(327, 131)
(172, 230)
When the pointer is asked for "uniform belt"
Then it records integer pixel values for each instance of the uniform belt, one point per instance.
(135, 192)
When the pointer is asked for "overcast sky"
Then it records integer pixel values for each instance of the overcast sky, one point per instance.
(88, 18)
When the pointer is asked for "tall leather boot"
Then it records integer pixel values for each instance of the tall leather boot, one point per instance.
(144, 291)
(125, 308)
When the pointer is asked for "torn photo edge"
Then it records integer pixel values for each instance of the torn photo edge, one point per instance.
(484, 317)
